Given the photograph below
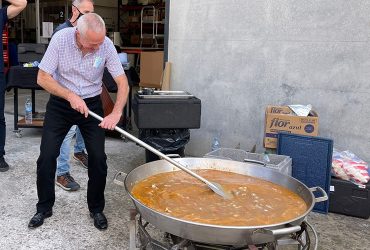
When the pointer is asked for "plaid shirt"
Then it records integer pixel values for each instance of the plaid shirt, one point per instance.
(80, 74)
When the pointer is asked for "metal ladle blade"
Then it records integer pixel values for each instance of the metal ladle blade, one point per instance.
(215, 187)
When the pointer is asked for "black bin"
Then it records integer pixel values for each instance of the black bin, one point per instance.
(165, 112)
(167, 141)
(349, 199)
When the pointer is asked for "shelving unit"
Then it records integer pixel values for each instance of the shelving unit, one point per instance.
(154, 17)
(144, 32)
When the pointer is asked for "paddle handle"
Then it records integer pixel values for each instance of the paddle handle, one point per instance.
(155, 151)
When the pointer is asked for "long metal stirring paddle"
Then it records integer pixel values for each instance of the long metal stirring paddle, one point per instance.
(214, 186)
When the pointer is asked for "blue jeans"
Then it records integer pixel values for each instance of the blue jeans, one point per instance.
(63, 159)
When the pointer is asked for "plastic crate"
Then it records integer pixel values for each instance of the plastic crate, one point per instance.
(281, 163)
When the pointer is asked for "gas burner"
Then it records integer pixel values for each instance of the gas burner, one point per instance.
(140, 238)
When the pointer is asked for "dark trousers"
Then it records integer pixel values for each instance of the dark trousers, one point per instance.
(2, 117)
(59, 118)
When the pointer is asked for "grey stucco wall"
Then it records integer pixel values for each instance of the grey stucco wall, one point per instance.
(238, 56)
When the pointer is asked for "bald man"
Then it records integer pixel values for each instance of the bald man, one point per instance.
(72, 71)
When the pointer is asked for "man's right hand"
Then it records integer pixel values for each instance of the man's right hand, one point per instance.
(78, 104)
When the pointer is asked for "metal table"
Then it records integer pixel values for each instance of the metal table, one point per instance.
(20, 77)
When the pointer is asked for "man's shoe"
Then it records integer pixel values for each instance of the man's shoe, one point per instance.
(38, 219)
(82, 158)
(67, 182)
(3, 165)
(100, 222)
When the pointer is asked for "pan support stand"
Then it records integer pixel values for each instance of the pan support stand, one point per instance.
(305, 239)
(140, 239)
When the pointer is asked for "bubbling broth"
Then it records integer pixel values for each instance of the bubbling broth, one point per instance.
(255, 201)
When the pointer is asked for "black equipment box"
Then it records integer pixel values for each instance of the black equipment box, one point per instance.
(349, 199)
(163, 111)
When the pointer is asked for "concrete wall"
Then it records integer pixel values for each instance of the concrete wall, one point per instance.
(238, 56)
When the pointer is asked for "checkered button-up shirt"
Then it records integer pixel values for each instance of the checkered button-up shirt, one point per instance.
(81, 74)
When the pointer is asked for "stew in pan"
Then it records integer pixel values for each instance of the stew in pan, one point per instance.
(255, 202)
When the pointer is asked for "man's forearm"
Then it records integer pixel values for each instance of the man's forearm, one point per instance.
(17, 3)
(122, 93)
(15, 7)
(48, 83)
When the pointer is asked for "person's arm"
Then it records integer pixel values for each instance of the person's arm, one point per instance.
(47, 82)
(15, 7)
(47, 67)
(111, 120)
(115, 68)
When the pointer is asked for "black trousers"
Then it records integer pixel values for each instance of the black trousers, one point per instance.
(59, 118)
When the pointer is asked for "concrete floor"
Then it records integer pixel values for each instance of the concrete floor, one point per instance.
(71, 227)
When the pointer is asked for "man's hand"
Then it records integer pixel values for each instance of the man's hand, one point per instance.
(78, 104)
(110, 121)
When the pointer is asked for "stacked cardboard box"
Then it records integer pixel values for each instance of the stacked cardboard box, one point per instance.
(283, 119)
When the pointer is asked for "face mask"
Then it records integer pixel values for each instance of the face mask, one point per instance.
(79, 15)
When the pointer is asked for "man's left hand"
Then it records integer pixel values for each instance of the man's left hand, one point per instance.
(110, 121)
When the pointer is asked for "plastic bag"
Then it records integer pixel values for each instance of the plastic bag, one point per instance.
(301, 110)
(165, 140)
(347, 166)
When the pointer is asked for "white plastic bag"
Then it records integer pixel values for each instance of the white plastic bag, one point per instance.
(301, 110)
(347, 166)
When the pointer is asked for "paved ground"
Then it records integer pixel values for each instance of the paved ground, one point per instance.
(71, 227)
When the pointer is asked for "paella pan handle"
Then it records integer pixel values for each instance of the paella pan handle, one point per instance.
(118, 182)
(282, 231)
(319, 199)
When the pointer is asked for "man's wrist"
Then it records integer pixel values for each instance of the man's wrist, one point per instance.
(117, 112)
(69, 95)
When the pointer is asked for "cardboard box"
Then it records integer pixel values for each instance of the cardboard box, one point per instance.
(151, 69)
(282, 118)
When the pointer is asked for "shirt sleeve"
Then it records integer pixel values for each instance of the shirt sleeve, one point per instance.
(49, 62)
(113, 63)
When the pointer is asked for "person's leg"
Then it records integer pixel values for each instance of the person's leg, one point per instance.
(79, 150)
(63, 159)
(57, 122)
(94, 139)
(80, 144)
(64, 178)
(3, 165)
